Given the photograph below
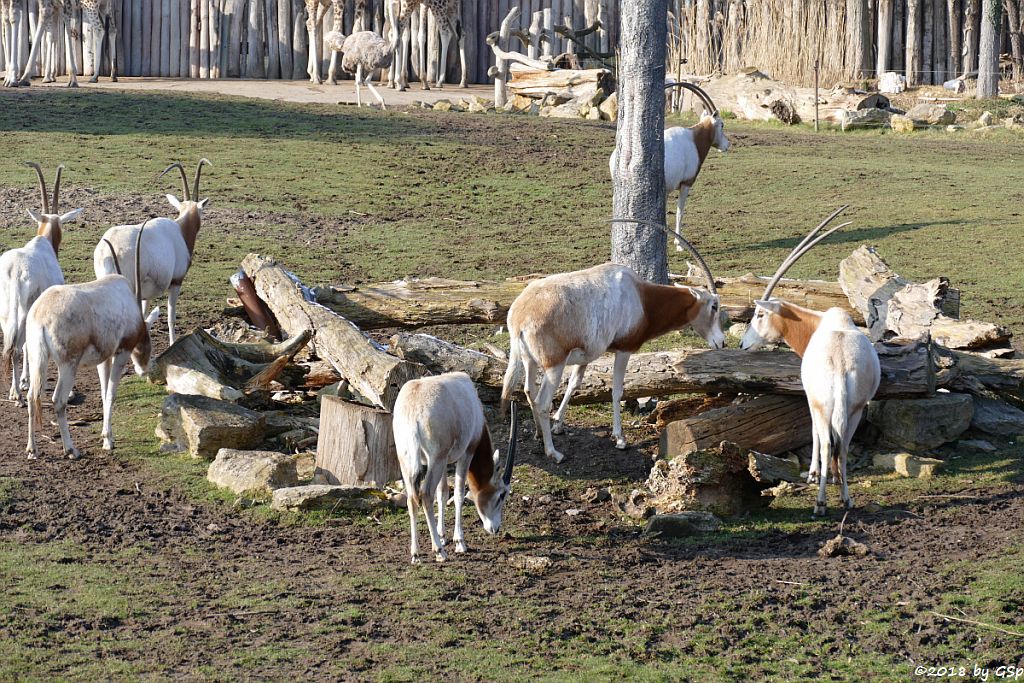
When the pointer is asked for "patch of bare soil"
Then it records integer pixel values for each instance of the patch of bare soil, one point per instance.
(601, 571)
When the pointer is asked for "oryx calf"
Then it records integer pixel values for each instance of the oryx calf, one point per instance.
(439, 421)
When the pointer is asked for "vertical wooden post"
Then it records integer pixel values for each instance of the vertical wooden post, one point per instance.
(356, 446)
(174, 41)
(284, 36)
(185, 22)
(300, 40)
(273, 55)
(254, 57)
(194, 24)
(469, 19)
(817, 68)
(165, 38)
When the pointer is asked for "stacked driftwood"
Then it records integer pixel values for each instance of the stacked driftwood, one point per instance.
(941, 374)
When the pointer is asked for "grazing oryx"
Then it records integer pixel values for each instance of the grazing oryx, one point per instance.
(26, 273)
(168, 250)
(97, 322)
(839, 368)
(686, 149)
(572, 318)
(439, 421)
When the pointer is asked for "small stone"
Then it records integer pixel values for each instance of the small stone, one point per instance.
(902, 124)
(573, 512)
(546, 499)
(442, 105)
(326, 497)
(953, 128)
(978, 445)
(398, 500)
(892, 83)
(682, 524)
(213, 528)
(531, 564)
(737, 330)
(986, 119)
(871, 117)
(872, 508)
(908, 465)
(252, 473)
(932, 114)
(637, 505)
(521, 103)
(594, 114)
(609, 108)
(921, 424)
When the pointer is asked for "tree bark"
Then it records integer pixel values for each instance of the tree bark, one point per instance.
(913, 60)
(768, 424)
(356, 446)
(927, 41)
(371, 373)
(284, 37)
(972, 10)
(439, 356)
(254, 59)
(1016, 40)
(955, 61)
(858, 33)
(988, 52)
(638, 172)
(884, 36)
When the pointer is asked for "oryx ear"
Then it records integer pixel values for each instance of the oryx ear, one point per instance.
(202, 203)
(71, 216)
(770, 305)
(37, 217)
(174, 201)
(153, 316)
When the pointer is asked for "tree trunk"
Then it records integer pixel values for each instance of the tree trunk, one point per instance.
(639, 170)
(972, 10)
(955, 60)
(927, 41)
(273, 53)
(939, 44)
(254, 59)
(899, 36)
(884, 36)
(356, 446)
(988, 52)
(913, 60)
(767, 424)
(1016, 40)
(284, 37)
(858, 33)
(372, 373)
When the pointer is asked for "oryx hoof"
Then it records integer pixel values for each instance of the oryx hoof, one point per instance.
(819, 509)
(416, 560)
(108, 443)
(73, 84)
(556, 456)
(72, 453)
(620, 443)
(848, 503)
(30, 453)
(440, 555)
(460, 547)
(558, 427)
(113, 79)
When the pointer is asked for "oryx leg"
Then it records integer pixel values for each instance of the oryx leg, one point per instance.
(618, 380)
(542, 408)
(442, 500)
(65, 380)
(460, 493)
(684, 192)
(172, 309)
(116, 370)
(575, 379)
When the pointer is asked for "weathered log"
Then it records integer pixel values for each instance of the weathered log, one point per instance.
(418, 303)
(768, 424)
(977, 374)
(372, 373)
(892, 305)
(437, 301)
(440, 356)
(769, 469)
(355, 446)
(534, 83)
(254, 57)
(907, 370)
(502, 67)
(199, 363)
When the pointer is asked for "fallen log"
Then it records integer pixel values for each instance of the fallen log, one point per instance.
(437, 301)
(537, 83)
(440, 356)
(892, 305)
(199, 363)
(372, 373)
(907, 370)
(976, 374)
(355, 446)
(767, 424)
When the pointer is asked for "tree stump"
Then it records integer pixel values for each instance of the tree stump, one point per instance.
(356, 446)
(768, 424)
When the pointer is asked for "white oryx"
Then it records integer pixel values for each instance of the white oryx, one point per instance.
(839, 368)
(572, 318)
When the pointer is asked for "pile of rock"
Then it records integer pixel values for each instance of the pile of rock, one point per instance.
(595, 105)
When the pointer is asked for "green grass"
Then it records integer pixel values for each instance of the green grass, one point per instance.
(340, 195)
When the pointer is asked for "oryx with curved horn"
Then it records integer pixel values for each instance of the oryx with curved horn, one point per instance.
(839, 367)
(98, 323)
(27, 272)
(439, 421)
(169, 246)
(572, 318)
(687, 148)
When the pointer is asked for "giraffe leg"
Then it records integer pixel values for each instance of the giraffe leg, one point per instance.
(422, 38)
(97, 44)
(442, 65)
(333, 69)
(112, 45)
(462, 57)
(403, 63)
(70, 52)
(45, 17)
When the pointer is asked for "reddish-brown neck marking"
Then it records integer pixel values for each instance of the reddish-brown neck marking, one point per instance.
(796, 325)
(665, 307)
(481, 467)
(703, 138)
(189, 222)
(50, 229)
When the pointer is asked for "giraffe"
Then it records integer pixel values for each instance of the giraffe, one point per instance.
(446, 17)
(52, 15)
(12, 19)
(316, 10)
(99, 16)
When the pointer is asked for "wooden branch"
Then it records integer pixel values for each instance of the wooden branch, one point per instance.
(372, 374)
(544, 64)
(540, 82)
(440, 356)
(501, 77)
(767, 424)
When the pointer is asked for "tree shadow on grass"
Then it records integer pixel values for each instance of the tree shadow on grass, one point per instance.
(856, 235)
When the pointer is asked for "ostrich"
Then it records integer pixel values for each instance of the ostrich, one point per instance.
(363, 53)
